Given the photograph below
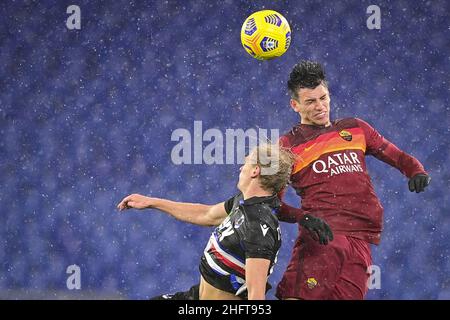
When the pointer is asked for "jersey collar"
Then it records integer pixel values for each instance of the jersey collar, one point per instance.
(272, 200)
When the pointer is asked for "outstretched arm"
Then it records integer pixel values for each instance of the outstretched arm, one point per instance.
(195, 213)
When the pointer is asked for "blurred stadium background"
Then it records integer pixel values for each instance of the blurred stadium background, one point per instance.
(86, 118)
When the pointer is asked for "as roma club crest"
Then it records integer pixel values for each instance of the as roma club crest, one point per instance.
(311, 283)
(347, 136)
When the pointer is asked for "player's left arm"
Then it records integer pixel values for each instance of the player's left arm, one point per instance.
(256, 270)
(386, 151)
(261, 242)
(319, 229)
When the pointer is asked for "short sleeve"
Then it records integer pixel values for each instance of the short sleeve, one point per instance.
(260, 241)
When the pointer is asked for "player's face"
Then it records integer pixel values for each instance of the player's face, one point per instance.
(248, 172)
(313, 105)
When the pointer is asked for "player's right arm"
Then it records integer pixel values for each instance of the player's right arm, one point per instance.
(195, 213)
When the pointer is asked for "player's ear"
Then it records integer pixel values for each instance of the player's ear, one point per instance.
(256, 171)
(295, 105)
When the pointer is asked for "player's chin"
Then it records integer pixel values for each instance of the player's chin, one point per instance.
(321, 121)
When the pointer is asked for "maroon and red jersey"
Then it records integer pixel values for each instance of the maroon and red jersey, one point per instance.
(330, 175)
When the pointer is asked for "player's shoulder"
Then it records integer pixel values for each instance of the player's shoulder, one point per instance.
(354, 122)
(349, 123)
(286, 136)
(233, 202)
(262, 213)
(346, 123)
(238, 198)
(291, 137)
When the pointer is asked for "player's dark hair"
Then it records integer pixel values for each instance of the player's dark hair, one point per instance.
(305, 74)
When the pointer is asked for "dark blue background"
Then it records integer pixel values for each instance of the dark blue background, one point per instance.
(86, 118)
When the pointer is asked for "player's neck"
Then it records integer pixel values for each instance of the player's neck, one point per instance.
(315, 124)
(254, 190)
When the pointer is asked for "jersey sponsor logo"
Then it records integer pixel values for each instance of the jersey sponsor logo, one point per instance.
(264, 229)
(344, 140)
(338, 163)
(347, 136)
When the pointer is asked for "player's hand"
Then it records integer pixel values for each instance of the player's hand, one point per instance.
(135, 201)
(419, 182)
(320, 230)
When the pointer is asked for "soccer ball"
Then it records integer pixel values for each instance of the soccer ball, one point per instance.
(266, 35)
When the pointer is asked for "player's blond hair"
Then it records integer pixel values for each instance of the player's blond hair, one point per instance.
(273, 156)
